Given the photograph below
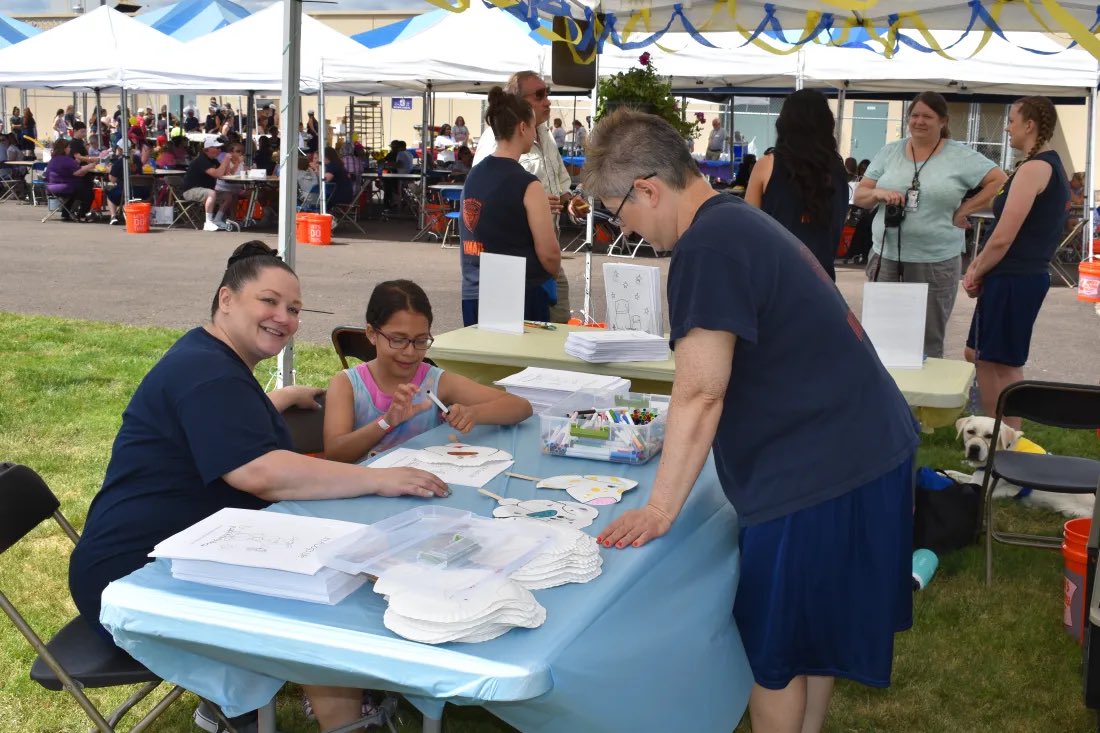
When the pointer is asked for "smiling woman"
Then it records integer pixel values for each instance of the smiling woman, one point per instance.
(200, 435)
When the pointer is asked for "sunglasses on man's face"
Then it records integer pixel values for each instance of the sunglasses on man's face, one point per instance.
(541, 94)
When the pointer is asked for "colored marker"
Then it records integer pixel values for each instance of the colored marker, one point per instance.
(446, 410)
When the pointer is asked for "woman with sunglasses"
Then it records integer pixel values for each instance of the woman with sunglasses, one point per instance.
(381, 403)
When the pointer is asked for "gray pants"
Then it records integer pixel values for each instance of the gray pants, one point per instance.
(943, 285)
(560, 313)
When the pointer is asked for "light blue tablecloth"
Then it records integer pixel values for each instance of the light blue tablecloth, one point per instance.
(648, 646)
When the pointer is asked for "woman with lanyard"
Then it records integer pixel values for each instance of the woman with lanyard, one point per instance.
(1009, 277)
(919, 231)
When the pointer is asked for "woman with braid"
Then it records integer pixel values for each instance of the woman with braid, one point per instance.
(1010, 278)
(802, 184)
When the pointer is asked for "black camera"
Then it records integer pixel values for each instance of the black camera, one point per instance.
(893, 215)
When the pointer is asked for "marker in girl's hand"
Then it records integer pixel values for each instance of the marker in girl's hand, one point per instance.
(438, 404)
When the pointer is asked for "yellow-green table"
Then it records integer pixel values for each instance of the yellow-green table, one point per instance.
(937, 393)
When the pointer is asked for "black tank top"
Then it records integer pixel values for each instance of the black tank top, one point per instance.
(1039, 235)
(783, 201)
(494, 219)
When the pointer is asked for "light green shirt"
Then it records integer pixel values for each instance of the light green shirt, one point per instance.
(927, 234)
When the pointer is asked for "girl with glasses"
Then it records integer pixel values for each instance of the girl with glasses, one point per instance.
(379, 404)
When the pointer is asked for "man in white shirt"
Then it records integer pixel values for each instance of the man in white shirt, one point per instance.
(717, 140)
(545, 163)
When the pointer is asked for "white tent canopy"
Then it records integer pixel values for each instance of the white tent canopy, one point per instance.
(102, 49)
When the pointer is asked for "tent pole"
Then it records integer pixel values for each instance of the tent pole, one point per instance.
(98, 123)
(125, 142)
(841, 98)
(249, 130)
(322, 133)
(424, 142)
(590, 220)
(1090, 174)
(1005, 147)
(800, 70)
(289, 117)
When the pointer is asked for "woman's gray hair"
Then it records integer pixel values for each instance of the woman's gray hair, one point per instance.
(628, 145)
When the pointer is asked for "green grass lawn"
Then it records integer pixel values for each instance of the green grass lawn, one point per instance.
(977, 659)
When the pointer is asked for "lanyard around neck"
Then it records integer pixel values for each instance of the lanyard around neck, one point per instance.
(916, 170)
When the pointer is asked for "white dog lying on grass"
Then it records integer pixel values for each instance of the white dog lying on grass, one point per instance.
(977, 436)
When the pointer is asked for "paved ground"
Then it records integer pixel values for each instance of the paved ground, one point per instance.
(168, 278)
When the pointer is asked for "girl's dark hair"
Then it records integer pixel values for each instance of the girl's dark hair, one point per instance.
(505, 113)
(245, 265)
(935, 102)
(393, 296)
(805, 138)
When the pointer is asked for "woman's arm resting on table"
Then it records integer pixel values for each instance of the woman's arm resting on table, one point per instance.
(282, 475)
(703, 362)
(473, 404)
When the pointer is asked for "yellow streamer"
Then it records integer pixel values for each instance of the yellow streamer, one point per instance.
(462, 5)
(1038, 18)
(918, 24)
(1071, 25)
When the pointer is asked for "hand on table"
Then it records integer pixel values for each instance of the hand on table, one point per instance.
(407, 482)
(402, 407)
(461, 417)
(636, 527)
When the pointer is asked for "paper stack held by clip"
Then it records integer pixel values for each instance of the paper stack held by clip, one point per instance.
(598, 346)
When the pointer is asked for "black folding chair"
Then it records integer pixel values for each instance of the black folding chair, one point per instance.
(307, 428)
(1068, 406)
(76, 657)
(352, 341)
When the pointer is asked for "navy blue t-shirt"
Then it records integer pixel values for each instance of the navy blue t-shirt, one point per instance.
(810, 413)
(197, 415)
(1041, 231)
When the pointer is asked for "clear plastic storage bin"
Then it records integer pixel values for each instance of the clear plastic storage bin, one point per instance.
(625, 428)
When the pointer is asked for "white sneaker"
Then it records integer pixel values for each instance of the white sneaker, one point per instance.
(211, 227)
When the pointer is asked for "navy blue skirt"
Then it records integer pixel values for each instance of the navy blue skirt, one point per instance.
(1004, 317)
(824, 590)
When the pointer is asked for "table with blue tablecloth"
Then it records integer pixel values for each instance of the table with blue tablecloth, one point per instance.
(650, 645)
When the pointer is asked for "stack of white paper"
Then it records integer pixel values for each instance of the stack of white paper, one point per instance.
(263, 552)
(633, 298)
(546, 387)
(599, 346)
(475, 474)
(574, 557)
(435, 607)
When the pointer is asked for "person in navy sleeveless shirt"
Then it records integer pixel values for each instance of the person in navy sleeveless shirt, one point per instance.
(775, 375)
(505, 211)
(803, 184)
(1009, 277)
(200, 435)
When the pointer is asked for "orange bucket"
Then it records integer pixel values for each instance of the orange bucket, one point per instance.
(1075, 553)
(1088, 281)
(301, 227)
(320, 229)
(138, 215)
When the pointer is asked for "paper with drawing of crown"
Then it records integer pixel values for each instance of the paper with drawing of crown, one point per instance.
(634, 299)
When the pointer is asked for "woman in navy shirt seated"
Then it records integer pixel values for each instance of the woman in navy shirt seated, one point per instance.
(1010, 278)
(200, 435)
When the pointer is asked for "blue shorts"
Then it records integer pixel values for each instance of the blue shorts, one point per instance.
(824, 590)
(1000, 330)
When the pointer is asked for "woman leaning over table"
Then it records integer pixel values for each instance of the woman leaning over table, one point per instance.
(200, 435)
(927, 175)
(1009, 277)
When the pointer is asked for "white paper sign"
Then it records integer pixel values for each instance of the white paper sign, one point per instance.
(893, 317)
(500, 293)
(633, 298)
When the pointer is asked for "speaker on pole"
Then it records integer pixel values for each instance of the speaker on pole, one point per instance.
(566, 69)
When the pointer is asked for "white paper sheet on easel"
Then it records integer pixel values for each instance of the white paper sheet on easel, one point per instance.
(500, 293)
(893, 317)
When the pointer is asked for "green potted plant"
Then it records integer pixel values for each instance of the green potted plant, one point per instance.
(641, 88)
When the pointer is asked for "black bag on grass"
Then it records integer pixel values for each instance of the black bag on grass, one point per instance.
(947, 514)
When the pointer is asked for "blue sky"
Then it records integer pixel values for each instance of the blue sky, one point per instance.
(61, 6)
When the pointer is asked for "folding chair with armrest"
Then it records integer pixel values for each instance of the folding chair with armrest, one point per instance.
(76, 657)
(1068, 406)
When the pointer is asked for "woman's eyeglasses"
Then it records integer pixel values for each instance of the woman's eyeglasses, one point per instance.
(399, 342)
